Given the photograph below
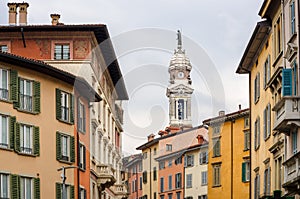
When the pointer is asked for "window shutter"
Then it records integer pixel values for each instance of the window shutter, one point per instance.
(72, 149)
(265, 123)
(185, 161)
(71, 109)
(37, 96)
(258, 185)
(36, 139)
(58, 104)
(286, 82)
(244, 172)
(15, 185)
(72, 192)
(192, 160)
(17, 138)
(269, 180)
(269, 120)
(14, 87)
(200, 158)
(58, 146)
(258, 131)
(269, 69)
(206, 157)
(58, 188)
(84, 192)
(258, 85)
(16, 102)
(37, 192)
(12, 128)
(84, 121)
(218, 147)
(84, 157)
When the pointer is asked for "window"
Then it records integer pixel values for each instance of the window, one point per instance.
(145, 177)
(256, 187)
(294, 141)
(82, 193)
(161, 165)
(3, 48)
(140, 166)
(70, 193)
(65, 147)
(141, 182)
(216, 147)
(170, 182)
(4, 186)
(169, 162)
(180, 109)
(203, 157)
(246, 171)
(3, 84)
(189, 160)
(82, 156)
(154, 174)
(204, 178)
(257, 133)
(178, 195)
(145, 155)
(25, 94)
(62, 51)
(267, 181)
(81, 117)
(295, 78)
(292, 18)
(267, 71)
(154, 195)
(246, 122)
(154, 152)
(161, 184)
(188, 180)
(246, 140)
(26, 188)
(178, 160)
(64, 106)
(170, 195)
(267, 122)
(162, 196)
(27, 139)
(178, 180)
(257, 88)
(216, 130)
(169, 147)
(217, 175)
(202, 197)
(4, 134)
(133, 186)
(277, 37)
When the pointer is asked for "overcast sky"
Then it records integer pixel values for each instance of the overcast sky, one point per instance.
(215, 35)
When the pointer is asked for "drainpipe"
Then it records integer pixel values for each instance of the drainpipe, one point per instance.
(298, 18)
(183, 181)
(283, 34)
(150, 174)
(231, 155)
(250, 129)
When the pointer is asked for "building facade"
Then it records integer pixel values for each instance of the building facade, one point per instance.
(229, 155)
(83, 51)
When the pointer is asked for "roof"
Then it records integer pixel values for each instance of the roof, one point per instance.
(103, 39)
(257, 39)
(156, 140)
(132, 160)
(227, 117)
(268, 7)
(78, 82)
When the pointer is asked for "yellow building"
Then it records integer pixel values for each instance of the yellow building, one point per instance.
(228, 155)
(36, 140)
(263, 61)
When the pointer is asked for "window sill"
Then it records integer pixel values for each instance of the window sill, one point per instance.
(216, 186)
(189, 187)
(6, 100)
(66, 162)
(6, 149)
(27, 111)
(27, 154)
(81, 169)
(66, 122)
(266, 139)
(246, 150)
(81, 131)
(247, 181)
(256, 148)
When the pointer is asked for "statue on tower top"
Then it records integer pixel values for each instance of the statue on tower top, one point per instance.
(179, 42)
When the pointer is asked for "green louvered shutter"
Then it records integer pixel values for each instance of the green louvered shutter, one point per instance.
(71, 109)
(58, 190)
(58, 104)
(14, 85)
(15, 184)
(37, 97)
(72, 149)
(185, 161)
(244, 172)
(84, 157)
(37, 192)
(12, 128)
(36, 140)
(286, 82)
(58, 146)
(72, 192)
(17, 138)
(16, 102)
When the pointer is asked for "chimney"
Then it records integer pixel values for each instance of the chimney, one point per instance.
(162, 133)
(240, 107)
(221, 113)
(12, 13)
(200, 139)
(23, 13)
(151, 137)
(55, 19)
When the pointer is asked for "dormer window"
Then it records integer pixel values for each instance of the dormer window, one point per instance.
(62, 51)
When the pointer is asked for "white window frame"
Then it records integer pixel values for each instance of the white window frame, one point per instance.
(60, 55)
(168, 147)
(26, 185)
(26, 139)
(217, 175)
(4, 89)
(3, 48)
(82, 118)
(65, 147)
(65, 106)
(204, 178)
(189, 180)
(4, 127)
(3, 178)
(81, 156)
(26, 94)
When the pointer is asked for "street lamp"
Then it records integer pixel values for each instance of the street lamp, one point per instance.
(63, 177)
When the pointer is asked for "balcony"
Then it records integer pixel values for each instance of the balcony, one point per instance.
(287, 113)
(105, 175)
(120, 190)
(292, 179)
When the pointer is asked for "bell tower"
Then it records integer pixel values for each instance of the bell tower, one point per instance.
(180, 88)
